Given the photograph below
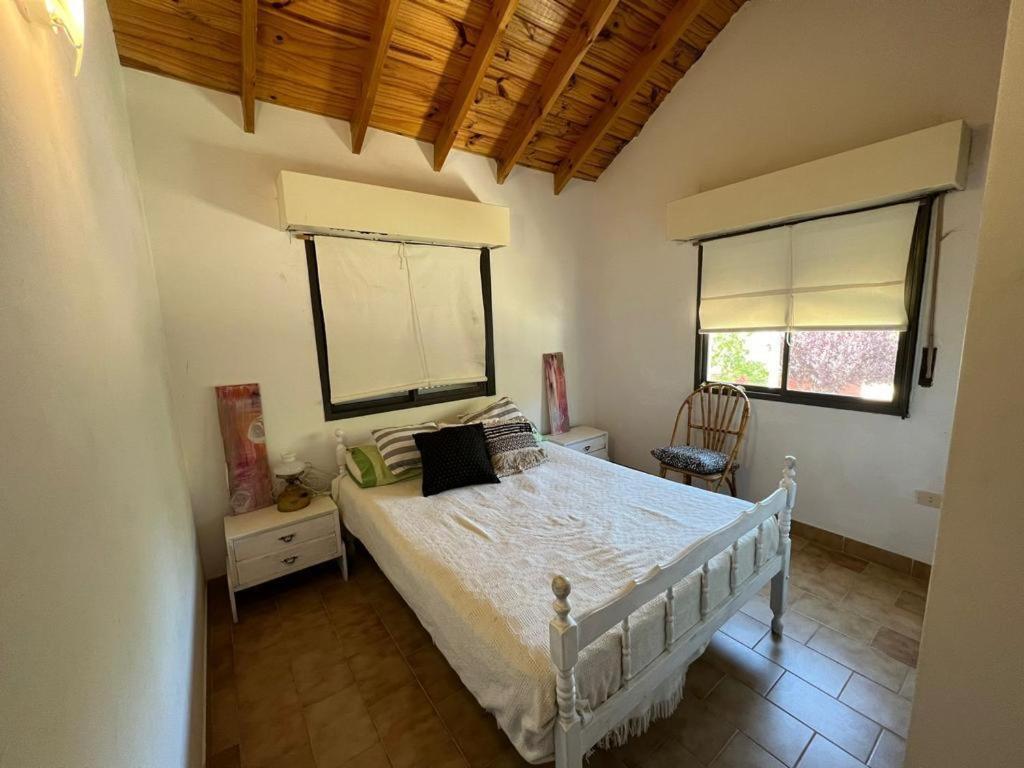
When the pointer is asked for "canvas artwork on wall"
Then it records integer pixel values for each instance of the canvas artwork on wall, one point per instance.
(240, 410)
(554, 385)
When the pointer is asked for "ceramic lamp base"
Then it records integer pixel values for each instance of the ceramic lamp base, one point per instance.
(293, 498)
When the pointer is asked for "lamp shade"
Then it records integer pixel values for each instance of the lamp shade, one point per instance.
(289, 466)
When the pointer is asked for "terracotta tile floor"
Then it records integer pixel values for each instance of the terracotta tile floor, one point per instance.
(320, 673)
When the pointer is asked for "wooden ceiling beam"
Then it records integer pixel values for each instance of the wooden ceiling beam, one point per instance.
(469, 85)
(682, 15)
(582, 37)
(380, 40)
(248, 85)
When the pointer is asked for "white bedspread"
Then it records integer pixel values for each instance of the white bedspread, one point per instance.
(476, 564)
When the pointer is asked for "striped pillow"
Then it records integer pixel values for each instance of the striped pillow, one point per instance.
(398, 448)
(502, 408)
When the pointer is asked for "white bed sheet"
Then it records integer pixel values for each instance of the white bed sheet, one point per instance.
(475, 564)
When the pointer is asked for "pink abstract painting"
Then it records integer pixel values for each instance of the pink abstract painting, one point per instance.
(240, 410)
(558, 401)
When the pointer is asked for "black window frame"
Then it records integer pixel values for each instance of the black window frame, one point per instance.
(413, 398)
(905, 353)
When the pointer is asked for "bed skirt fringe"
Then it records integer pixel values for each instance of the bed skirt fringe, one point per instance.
(664, 704)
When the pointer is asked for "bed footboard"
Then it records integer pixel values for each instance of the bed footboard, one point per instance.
(574, 737)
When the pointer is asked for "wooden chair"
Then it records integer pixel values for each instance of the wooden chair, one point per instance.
(716, 418)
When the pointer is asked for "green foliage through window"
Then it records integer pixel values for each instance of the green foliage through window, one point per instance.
(730, 360)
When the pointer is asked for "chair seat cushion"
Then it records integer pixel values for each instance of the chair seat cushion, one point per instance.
(688, 458)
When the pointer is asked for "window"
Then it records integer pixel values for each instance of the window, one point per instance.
(399, 325)
(822, 312)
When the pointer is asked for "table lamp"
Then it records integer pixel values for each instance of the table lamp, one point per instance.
(294, 496)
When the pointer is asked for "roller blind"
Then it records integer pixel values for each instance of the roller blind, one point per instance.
(449, 309)
(842, 272)
(399, 317)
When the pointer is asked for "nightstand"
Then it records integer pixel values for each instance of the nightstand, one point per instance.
(266, 544)
(588, 440)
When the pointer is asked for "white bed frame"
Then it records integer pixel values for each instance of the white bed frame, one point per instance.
(575, 735)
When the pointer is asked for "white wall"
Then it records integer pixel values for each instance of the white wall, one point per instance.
(969, 704)
(235, 292)
(786, 82)
(101, 610)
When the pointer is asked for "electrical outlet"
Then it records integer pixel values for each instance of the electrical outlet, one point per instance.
(928, 498)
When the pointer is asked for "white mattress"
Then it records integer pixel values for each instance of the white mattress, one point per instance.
(476, 564)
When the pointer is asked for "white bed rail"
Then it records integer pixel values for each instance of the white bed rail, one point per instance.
(574, 736)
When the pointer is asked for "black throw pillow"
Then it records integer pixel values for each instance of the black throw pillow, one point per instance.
(454, 457)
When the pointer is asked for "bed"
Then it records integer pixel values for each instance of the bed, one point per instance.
(643, 572)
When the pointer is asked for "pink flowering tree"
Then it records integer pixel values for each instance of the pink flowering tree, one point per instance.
(839, 362)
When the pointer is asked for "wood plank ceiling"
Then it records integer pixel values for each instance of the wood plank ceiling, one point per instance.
(557, 85)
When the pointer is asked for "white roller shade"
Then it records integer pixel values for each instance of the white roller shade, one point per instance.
(399, 317)
(372, 346)
(745, 282)
(850, 271)
(842, 272)
(449, 308)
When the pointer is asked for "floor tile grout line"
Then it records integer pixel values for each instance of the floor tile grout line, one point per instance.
(366, 705)
(806, 746)
(291, 670)
(718, 682)
(419, 683)
(355, 684)
(366, 708)
(862, 674)
(834, 629)
(870, 644)
(806, 642)
(772, 686)
(725, 746)
(856, 711)
(847, 752)
(770, 703)
(883, 726)
(295, 688)
(786, 669)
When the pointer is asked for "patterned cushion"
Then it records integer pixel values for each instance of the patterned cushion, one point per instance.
(455, 457)
(513, 445)
(688, 458)
(398, 448)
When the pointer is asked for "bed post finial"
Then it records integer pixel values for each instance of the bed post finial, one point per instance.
(789, 468)
(565, 648)
(339, 452)
(561, 587)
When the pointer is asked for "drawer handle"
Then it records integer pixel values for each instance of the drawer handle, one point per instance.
(287, 538)
(290, 560)
(586, 448)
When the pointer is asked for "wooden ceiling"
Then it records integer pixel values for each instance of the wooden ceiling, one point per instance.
(558, 85)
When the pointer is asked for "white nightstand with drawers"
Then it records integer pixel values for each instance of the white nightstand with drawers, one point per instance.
(589, 440)
(266, 544)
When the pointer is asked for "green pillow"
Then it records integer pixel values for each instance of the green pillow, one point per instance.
(368, 469)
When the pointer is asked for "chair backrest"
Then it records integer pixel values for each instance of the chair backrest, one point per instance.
(716, 418)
